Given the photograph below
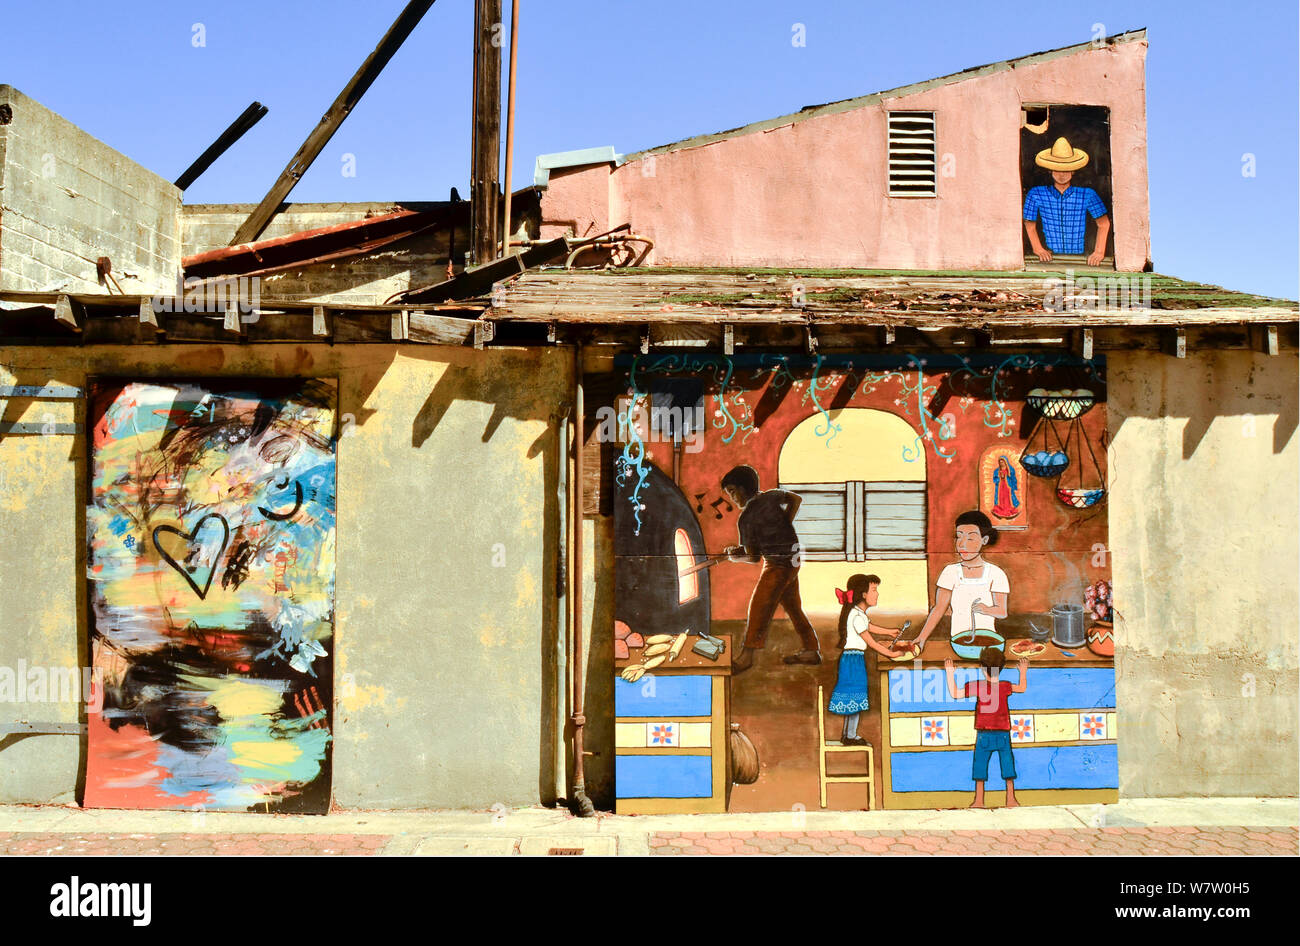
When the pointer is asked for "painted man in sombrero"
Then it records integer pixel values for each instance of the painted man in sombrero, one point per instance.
(1062, 209)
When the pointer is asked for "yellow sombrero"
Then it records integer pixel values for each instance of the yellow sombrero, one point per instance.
(1061, 157)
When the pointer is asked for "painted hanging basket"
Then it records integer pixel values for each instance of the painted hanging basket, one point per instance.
(1045, 464)
(1080, 498)
(1045, 461)
(1063, 404)
(1088, 482)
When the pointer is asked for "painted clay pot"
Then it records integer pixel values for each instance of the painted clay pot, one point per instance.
(1101, 639)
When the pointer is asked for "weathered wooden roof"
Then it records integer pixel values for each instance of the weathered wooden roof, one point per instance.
(762, 306)
(766, 308)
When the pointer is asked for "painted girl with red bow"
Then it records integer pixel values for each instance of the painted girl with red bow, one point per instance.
(849, 698)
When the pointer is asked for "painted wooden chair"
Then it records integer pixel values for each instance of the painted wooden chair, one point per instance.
(824, 748)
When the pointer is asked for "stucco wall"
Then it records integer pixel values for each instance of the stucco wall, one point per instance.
(813, 192)
(445, 663)
(1203, 513)
(447, 543)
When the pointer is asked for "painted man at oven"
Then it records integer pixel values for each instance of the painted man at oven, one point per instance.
(767, 535)
(1063, 209)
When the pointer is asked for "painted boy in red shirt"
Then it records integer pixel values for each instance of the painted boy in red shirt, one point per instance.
(992, 720)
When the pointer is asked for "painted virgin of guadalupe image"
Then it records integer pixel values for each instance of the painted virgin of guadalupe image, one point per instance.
(1006, 491)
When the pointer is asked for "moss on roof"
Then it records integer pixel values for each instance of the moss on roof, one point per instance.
(1167, 292)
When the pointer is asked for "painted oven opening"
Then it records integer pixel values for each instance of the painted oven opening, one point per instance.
(688, 586)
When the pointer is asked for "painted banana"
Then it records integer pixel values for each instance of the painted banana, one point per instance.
(677, 646)
(633, 674)
(654, 650)
(659, 639)
(654, 661)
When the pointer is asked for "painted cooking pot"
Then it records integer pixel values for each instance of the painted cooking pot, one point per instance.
(968, 644)
(1067, 625)
(1101, 639)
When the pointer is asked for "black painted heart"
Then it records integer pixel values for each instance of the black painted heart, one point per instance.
(197, 554)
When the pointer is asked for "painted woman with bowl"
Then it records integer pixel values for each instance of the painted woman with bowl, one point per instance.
(973, 589)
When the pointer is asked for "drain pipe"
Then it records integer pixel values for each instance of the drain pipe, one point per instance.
(580, 804)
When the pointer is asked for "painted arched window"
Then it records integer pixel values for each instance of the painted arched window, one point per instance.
(688, 586)
(863, 490)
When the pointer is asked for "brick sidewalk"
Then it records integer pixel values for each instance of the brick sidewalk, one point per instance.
(209, 844)
(1083, 841)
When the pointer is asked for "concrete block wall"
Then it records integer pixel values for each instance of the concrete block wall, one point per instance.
(67, 199)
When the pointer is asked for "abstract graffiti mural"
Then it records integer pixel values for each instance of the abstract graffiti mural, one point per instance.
(886, 578)
(211, 530)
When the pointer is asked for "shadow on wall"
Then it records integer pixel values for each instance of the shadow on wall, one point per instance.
(502, 380)
(1220, 385)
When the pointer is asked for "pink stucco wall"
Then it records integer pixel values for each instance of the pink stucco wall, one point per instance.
(576, 202)
(813, 193)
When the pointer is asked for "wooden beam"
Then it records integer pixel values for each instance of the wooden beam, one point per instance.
(1082, 343)
(319, 323)
(65, 311)
(231, 322)
(147, 315)
(1174, 342)
(1263, 338)
(432, 328)
(399, 326)
(320, 136)
(246, 120)
(486, 138)
(728, 339)
(484, 332)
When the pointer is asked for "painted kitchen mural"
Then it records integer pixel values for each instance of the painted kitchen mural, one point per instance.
(853, 582)
(211, 569)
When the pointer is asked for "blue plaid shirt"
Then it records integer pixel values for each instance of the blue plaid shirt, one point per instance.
(1062, 215)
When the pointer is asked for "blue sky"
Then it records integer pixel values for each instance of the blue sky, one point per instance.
(1221, 83)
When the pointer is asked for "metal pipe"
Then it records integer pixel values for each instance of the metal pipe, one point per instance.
(564, 569)
(510, 121)
(609, 241)
(580, 804)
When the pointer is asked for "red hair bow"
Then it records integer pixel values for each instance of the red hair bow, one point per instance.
(844, 597)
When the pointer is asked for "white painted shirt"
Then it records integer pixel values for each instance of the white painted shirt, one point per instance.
(966, 591)
(856, 629)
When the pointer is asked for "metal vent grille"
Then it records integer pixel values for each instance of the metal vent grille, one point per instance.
(912, 165)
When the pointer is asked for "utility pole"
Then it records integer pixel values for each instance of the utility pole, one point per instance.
(485, 169)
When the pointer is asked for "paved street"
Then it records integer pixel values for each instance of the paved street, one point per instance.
(1141, 826)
